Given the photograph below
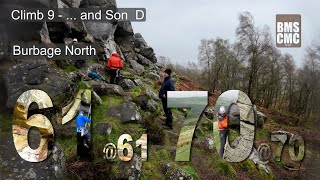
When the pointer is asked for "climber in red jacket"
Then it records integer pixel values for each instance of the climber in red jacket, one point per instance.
(222, 119)
(114, 63)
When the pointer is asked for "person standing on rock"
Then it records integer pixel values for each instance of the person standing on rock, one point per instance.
(167, 85)
(114, 63)
(222, 119)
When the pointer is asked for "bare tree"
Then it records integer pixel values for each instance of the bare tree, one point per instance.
(256, 43)
(206, 60)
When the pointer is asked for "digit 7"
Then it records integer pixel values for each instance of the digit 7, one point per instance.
(197, 101)
(281, 137)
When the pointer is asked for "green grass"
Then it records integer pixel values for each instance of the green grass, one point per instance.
(69, 146)
(271, 121)
(69, 68)
(150, 168)
(127, 74)
(82, 85)
(136, 91)
(262, 133)
(158, 154)
(253, 170)
(224, 168)
(99, 114)
(190, 171)
(232, 135)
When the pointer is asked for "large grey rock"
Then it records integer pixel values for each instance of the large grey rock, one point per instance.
(61, 4)
(141, 101)
(139, 41)
(35, 73)
(66, 130)
(96, 98)
(60, 30)
(72, 3)
(26, 32)
(130, 170)
(179, 174)
(30, 174)
(58, 161)
(138, 82)
(126, 46)
(103, 88)
(110, 46)
(151, 94)
(137, 67)
(127, 84)
(101, 3)
(261, 118)
(14, 167)
(152, 105)
(126, 112)
(255, 158)
(103, 128)
(100, 30)
(143, 48)
(172, 173)
(147, 52)
(44, 34)
(208, 143)
(95, 67)
(152, 75)
(124, 28)
(144, 60)
(234, 115)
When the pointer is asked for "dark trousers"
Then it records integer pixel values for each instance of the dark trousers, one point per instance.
(113, 77)
(167, 111)
(223, 139)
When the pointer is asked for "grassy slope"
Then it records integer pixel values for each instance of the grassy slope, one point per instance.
(201, 165)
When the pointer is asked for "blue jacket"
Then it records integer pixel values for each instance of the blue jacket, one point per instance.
(81, 120)
(94, 75)
(167, 85)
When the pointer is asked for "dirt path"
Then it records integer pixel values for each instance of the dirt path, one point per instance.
(310, 165)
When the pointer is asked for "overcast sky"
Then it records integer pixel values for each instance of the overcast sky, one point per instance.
(175, 28)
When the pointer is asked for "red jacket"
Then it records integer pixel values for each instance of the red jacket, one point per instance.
(114, 62)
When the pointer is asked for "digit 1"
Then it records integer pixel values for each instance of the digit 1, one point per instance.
(21, 125)
(278, 136)
(143, 142)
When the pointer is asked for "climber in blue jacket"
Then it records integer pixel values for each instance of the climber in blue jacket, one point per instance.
(81, 121)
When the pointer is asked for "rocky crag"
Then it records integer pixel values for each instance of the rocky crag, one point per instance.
(132, 107)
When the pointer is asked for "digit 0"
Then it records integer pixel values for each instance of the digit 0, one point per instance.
(242, 150)
(296, 141)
